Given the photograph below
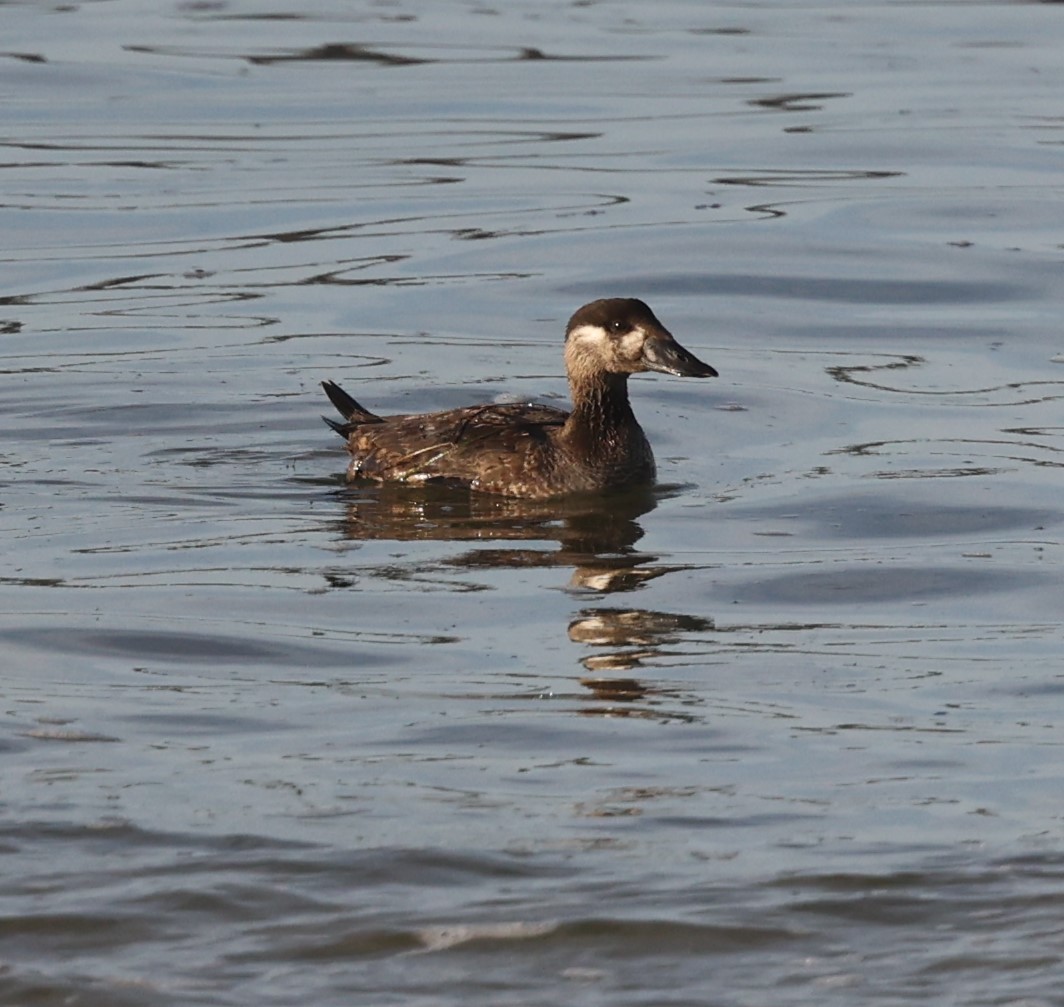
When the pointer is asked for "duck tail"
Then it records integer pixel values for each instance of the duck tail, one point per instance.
(348, 408)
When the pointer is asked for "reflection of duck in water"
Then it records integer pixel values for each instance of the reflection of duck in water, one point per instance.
(582, 525)
(533, 451)
(595, 535)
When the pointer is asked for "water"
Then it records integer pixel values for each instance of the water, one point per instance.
(785, 730)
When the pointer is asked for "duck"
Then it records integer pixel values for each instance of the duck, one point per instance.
(527, 450)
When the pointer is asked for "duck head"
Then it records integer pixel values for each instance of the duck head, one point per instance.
(621, 335)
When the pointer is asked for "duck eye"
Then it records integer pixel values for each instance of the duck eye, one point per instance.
(616, 326)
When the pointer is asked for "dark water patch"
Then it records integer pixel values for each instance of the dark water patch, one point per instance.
(802, 102)
(980, 901)
(359, 53)
(864, 517)
(66, 734)
(568, 939)
(873, 584)
(324, 945)
(108, 836)
(192, 724)
(838, 290)
(540, 742)
(10, 744)
(193, 648)
(899, 333)
(1050, 689)
(666, 937)
(34, 581)
(795, 819)
(792, 177)
(25, 57)
(49, 987)
(337, 51)
(73, 933)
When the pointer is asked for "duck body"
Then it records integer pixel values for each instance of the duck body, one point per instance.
(527, 450)
(519, 450)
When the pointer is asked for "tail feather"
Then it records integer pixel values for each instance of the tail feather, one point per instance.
(348, 408)
(343, 429)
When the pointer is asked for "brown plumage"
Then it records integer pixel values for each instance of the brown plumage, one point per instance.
(527, 450)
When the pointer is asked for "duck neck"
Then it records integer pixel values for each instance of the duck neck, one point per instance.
(601, 412)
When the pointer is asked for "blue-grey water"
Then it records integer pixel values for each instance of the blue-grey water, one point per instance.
(787, 730)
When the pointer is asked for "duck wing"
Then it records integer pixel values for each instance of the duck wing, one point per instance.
(458, 445)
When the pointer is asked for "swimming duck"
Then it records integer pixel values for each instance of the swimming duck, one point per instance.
(526, 450)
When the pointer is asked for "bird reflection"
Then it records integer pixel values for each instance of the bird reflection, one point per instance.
(640, 635)
(596, 536)
(633, 627)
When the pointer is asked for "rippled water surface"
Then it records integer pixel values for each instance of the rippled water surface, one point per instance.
(787, 729)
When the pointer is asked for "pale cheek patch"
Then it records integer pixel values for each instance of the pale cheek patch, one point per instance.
(628, 347)
(590, 335)
(632, 344)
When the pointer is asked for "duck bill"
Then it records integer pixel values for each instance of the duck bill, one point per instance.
(662, 353)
